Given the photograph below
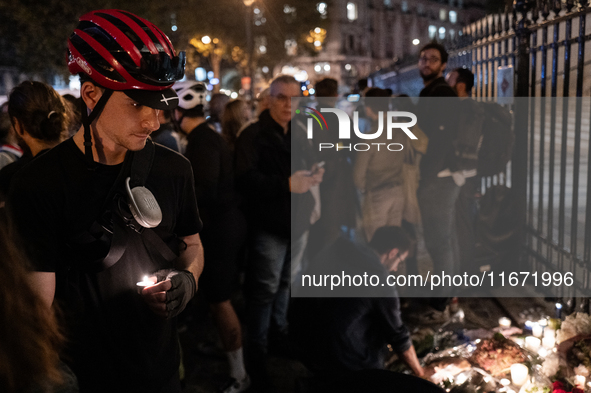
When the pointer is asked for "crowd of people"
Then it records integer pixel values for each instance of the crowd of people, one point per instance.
(146, 190)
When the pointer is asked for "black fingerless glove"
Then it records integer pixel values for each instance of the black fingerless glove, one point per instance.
(183, 289)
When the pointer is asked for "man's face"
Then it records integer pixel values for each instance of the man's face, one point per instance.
(430, 65)
(125, 124)
(394, 259)
(280, 102)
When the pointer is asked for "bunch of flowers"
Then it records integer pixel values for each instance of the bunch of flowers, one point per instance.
(574, 325)
(559, 387)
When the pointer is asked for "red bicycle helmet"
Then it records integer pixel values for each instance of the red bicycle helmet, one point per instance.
(121, 51)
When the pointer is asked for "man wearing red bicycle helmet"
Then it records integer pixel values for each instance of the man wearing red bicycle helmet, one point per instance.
(108, 206)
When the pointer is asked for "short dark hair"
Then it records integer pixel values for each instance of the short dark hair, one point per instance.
(388, 238)
(439, 47)
(465, 76)
(376, 104)
(327, 87)
(5, 126)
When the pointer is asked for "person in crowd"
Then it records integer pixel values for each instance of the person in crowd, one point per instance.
(121, 278)
(224, 228)
(31, 337)
(471, 118)
(75, 116)
(338, 196)
(378, 174)
(235, 117)
(413, 152)
(266, 183)
(167, 134)
(10, 151)
(262, 102)
(217, 104)
(438, 195)
(350, 330)
(40, 118)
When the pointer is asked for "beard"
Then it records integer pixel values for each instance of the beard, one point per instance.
(428, 77)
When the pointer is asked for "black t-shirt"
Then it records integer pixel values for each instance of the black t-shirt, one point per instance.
(213, 169)
(115, 343)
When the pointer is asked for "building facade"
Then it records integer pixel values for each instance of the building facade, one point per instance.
(364, 36)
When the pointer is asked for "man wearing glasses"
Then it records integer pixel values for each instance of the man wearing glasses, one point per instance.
(266, 183)
(437, 195)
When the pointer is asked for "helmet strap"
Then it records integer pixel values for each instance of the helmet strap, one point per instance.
(87, 121)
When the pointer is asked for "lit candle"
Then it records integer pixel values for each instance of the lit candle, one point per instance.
(543, 352)
(580, 381)
(146, 282)
(532, 343)
(519, 374)
(505, 382)
(548, 342)
(549, 332)
(537, 330)
(504, 323)
(543, 322)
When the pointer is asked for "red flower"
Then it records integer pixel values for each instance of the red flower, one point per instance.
(577, 390)
(559, 391)
(557, 385)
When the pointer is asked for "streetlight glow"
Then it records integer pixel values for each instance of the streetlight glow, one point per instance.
(206, 40)
(416, 41)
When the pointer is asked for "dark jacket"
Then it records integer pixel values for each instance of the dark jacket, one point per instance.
(437, 117)
(348, 332)
(263, 168)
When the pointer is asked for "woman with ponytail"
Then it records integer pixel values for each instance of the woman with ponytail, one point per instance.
(40, 118)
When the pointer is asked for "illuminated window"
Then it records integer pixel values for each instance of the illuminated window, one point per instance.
(404, 6)
(351, 11)
(441, 33)
(432, 31)
(420, 9)
(452, 33)
(442, 14)
(453, 16)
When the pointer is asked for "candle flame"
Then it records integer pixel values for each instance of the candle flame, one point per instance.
(146, 279)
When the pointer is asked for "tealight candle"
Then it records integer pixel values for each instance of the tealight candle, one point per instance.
(543, 352)
(548, 342)
(543, 322)
(532, 343)
(519, 374)
(146, 282)
(580, 381)
(505, 382)
(537, 330)
(504, 323)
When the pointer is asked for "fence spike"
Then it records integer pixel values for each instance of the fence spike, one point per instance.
(545, 10)
(557, 7)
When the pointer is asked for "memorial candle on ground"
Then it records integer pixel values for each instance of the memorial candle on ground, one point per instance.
(532, 343)
(519, 374)
(504, 323)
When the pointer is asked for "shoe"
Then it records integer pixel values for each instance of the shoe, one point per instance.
(235, 386)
